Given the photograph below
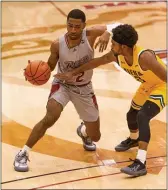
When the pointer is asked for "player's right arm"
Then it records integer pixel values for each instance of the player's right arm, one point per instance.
(54, 54)
(96, 62)
(107, 58)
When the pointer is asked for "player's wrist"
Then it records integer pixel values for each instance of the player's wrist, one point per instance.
(74, 73)
(107, 32)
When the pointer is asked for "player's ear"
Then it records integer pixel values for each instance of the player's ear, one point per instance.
(84, 25)
(123, 46)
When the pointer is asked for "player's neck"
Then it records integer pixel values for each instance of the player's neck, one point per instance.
(128, 56)
(128, 52)
(73, 43)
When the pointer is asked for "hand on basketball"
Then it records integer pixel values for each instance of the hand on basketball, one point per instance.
(103, 41)
(64, 76)
(24, 73)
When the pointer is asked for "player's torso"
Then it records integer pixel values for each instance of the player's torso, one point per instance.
(71, 58)
(136, 71)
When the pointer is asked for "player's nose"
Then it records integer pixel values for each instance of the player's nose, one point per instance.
(73, 30)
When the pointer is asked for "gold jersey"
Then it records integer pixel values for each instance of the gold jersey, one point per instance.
(136, 71)
(152, 87)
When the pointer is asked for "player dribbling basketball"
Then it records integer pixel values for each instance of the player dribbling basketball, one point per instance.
(71, 50)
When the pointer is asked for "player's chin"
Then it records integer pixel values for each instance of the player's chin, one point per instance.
(72, 37)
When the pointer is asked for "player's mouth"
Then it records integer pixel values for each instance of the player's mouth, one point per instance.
(73, 35)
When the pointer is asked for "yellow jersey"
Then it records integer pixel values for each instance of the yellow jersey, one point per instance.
(136, 71)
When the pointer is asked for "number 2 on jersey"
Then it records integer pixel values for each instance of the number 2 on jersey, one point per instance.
(79, 78)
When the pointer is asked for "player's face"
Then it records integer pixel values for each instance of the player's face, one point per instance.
(75, 28)
(116, 48)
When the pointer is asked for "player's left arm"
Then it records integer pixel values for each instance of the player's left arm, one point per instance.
(54, 54)
(148, 61)
(103, 32)
(98, 30)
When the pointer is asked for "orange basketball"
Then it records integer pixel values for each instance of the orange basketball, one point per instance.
(37, 72)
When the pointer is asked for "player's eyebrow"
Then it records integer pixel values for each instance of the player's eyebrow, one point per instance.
(73, 24)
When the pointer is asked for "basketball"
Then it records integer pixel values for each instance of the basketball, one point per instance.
(37, 72)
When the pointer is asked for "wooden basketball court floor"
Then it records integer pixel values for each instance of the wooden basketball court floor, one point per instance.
(58, 161)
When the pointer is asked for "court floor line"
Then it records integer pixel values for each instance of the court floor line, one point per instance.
(82, 179)
(58, 172)
(55, 6)
(70, 170)
(58, 9)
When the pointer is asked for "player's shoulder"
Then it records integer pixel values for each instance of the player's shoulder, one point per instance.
(139, 49)
(95, 30)
(55, 45)
(142, 52)
(55, 42)
(90, 30)
(145, 52)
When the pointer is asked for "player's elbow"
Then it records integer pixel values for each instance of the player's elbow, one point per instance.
(162, 74)
(101, 61)
(52, 67)
(98, 64)
(163, 77)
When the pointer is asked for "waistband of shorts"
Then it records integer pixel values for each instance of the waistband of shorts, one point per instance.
(81, 85)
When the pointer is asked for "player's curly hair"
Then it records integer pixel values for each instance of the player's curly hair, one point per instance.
(77, 14)
(125, 34)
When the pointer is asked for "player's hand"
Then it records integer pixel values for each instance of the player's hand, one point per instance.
(24, 70)
(24, 74)
(64, 76)
(103, 41)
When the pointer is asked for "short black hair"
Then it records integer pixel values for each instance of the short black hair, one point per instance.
(77, 14)
(125, 34)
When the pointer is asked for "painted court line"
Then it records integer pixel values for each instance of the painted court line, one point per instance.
(75, 169)
(82, 179)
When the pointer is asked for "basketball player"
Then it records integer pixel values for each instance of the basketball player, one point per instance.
(71, 50)
(149, 99)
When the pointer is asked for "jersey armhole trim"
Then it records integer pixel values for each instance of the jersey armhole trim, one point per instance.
(84, 32)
